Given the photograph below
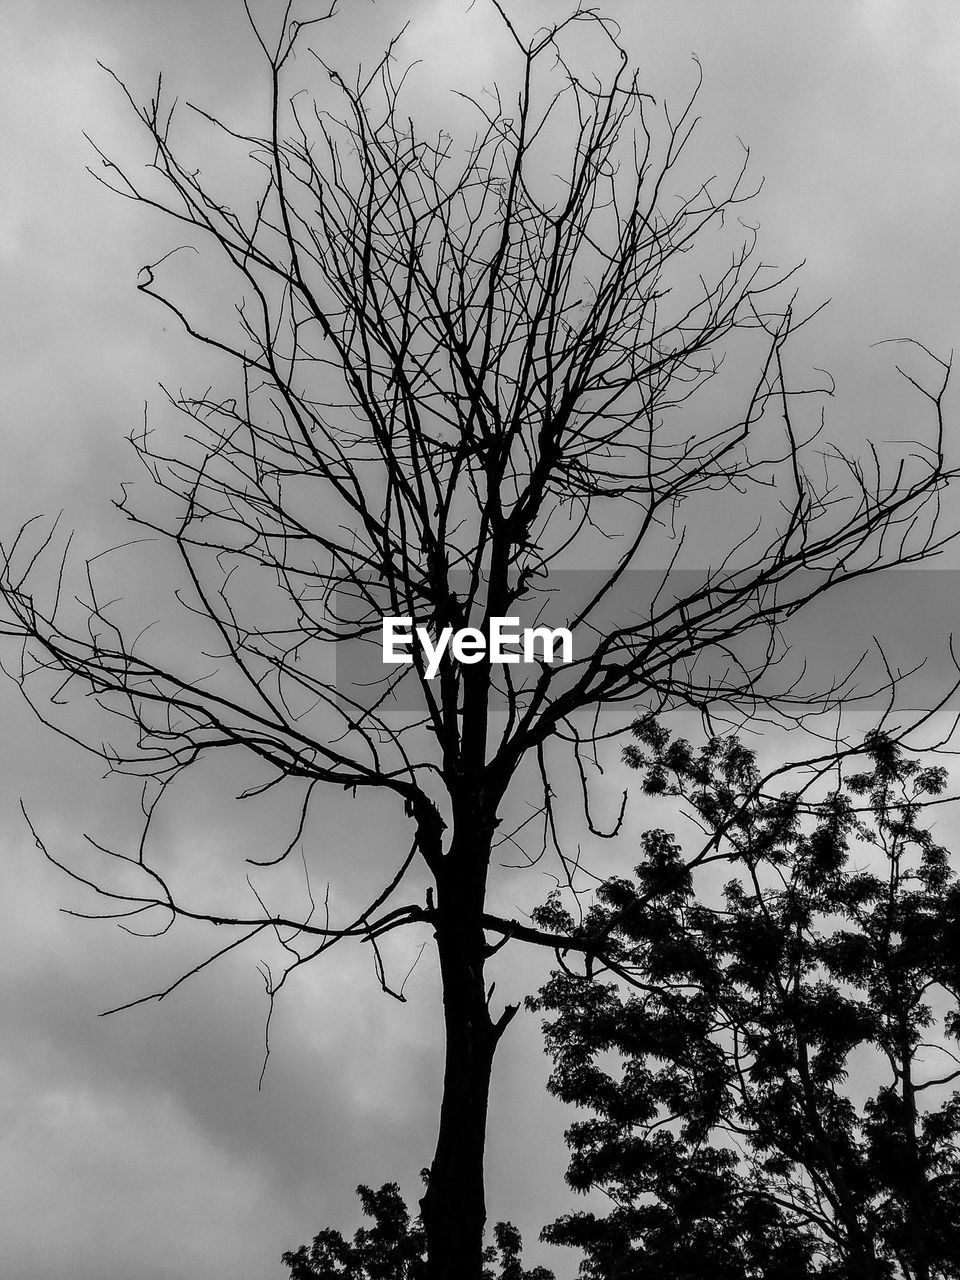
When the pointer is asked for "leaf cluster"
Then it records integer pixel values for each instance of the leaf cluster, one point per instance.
(395, 1247)
(768, 1081)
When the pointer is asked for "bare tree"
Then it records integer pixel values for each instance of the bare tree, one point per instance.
(461, 368)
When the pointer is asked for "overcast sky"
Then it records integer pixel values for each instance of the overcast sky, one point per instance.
(139, 1144)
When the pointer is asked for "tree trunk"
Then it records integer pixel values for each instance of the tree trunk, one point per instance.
(453, 1207)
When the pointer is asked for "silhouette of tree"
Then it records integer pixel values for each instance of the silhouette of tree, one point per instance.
(780, 1103)
(395, 1247)
(458, 368)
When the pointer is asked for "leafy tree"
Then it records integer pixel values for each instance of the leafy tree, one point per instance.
(392, 1249)
(395, 1247)
(447, 369)
(769, 1081)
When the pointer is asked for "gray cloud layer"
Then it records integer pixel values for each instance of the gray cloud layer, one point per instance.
(140, 1145)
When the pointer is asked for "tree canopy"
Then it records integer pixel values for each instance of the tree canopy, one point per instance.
(770, 1079)
(395, 1247)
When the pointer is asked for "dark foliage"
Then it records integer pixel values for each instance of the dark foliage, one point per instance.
(395, 1247)
(769, 1081)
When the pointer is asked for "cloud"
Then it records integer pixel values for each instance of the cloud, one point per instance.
(139, 1144)
(100, 1184)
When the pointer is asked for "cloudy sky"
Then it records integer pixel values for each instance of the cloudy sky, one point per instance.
(139, 1144)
